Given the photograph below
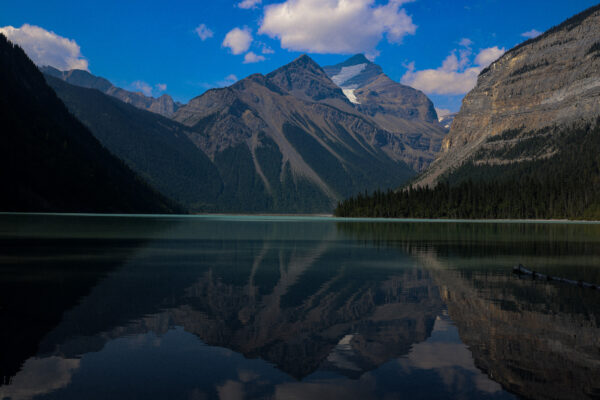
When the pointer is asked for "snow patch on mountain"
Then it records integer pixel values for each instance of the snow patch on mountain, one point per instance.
(347, 73)
(349, 93)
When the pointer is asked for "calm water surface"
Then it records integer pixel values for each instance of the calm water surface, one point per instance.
(101, 307)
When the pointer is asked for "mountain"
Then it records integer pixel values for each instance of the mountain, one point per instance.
(446, 120)
(288, 141)
(291, 141)
(525, 142)
(49, 161)
(552, 80)
(163, 105)
(406, 112)
(155, 147)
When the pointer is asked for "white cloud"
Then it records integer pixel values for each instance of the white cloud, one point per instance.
(250, 58)
(336, 26)
(204, 32)
(247, 4)
(488, 56)
(238, 40)
(457, 75)
(46, 47)
(531, 34)
(161, 87)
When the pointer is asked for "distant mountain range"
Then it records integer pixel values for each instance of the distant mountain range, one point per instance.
(49, 161)
(163, 105)
(288, 141)
(525, 143)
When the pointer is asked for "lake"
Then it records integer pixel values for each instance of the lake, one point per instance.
(231, 307)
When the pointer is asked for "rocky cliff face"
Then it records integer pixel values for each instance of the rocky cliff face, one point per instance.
(551, 80)
(163, 105)
(406, 112)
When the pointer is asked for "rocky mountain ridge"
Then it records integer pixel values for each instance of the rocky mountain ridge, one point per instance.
(163, 105)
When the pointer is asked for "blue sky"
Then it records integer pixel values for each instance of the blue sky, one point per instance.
(152, 46)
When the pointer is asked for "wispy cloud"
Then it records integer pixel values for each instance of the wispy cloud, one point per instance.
(143, 87)
(204, 32)
(46, 47)
(147, 89)
(531, 34)
(264, 49)
(247, 4)
(227, 81)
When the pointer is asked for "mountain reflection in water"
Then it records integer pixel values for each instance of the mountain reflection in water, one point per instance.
(235, 307)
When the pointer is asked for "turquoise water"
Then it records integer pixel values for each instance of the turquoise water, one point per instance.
(227, 307)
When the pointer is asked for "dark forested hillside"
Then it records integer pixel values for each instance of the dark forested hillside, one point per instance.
(562, 181)
(49, 161)
(155, 147)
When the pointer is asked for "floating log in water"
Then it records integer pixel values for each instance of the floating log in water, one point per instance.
(521, 270)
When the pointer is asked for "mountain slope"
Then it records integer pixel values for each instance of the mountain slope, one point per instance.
(552, 80)
(290, 141)
(406, 112)
(157, 148)
(525, 143)
(48, 160)
(163, 105)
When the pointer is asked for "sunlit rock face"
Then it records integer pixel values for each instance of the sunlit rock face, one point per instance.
(551, 80)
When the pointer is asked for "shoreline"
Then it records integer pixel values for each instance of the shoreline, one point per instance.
(306, 217)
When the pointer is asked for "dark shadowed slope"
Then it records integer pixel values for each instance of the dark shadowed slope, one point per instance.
(155, 147)
(49, 161)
